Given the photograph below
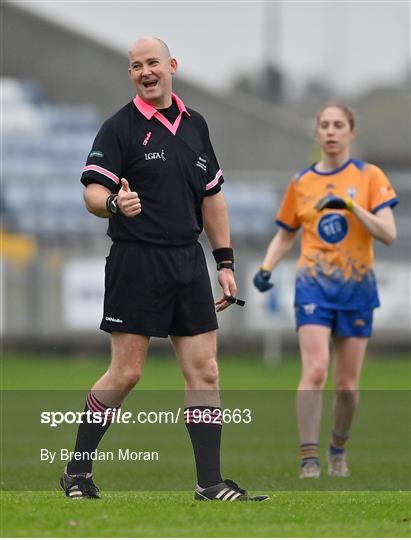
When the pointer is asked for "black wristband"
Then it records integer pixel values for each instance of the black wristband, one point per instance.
(223, 254)
(229, 265)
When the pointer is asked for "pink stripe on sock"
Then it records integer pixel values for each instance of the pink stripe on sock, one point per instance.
(94, 404)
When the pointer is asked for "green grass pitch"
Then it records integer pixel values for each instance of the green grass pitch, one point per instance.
(312, 510)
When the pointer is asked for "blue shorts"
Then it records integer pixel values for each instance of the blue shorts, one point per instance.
(344, 323)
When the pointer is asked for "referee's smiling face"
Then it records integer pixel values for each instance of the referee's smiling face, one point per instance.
(151, 69)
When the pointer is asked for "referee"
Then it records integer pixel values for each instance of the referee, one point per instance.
(153, 173)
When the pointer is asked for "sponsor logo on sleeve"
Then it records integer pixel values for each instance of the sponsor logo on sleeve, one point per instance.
(96, 153)
(202, 163)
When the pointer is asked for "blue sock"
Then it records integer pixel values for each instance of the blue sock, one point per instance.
(334, 451)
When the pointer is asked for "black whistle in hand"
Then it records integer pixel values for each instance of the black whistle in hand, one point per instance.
(234, 300)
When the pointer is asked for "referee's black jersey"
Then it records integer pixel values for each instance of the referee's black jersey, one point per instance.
(172, 167)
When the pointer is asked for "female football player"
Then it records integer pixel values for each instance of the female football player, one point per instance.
(342, 204)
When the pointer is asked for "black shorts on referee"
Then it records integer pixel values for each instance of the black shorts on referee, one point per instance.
(157, 291)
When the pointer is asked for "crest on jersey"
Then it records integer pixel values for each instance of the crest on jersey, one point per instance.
(352, 192)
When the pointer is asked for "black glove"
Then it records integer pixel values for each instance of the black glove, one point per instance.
(261, 280)
(337, 203)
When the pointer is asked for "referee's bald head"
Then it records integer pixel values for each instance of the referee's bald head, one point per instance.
(150, 40)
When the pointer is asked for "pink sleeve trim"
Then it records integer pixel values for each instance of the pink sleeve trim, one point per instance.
(214, 182)
(102, 171)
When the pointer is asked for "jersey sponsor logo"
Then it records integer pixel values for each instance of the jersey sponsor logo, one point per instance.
(155, 155)
(96, 153)
(202, 163)
(332, 228)
(385, 189)
(113, 319)
(148, 137)
(309, 308)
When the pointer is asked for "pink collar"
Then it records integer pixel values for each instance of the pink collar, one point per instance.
(149, 112)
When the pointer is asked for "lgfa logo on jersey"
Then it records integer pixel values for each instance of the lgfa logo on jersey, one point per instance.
(351, 192)
(155, 155)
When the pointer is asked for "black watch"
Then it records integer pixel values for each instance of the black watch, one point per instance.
(229, 265)
(111, 204)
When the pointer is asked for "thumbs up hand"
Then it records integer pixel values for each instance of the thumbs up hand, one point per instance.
(125, 185)
(128, 201)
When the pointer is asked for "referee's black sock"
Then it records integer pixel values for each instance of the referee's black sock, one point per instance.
(89, 436)
(204, 425)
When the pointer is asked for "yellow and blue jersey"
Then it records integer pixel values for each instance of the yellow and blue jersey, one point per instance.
(335, 267)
